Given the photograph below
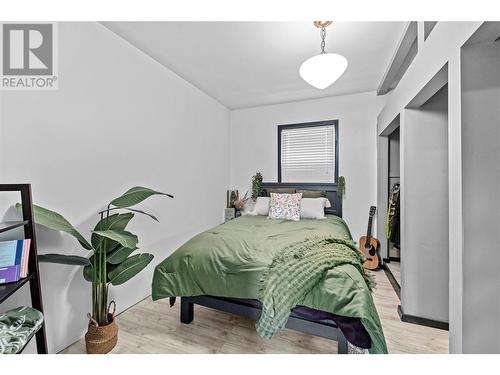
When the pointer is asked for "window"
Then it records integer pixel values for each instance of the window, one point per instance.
(308, 152)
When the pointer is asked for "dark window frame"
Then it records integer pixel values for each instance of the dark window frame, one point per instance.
(335, 124)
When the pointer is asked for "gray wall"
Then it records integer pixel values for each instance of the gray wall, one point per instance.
(481, 202)
(424, 215)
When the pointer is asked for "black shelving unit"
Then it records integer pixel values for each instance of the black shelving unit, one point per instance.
(7, 290)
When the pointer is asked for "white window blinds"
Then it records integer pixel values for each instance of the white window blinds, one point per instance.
(308, 154)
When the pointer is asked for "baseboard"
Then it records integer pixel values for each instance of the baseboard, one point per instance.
(392, 280)
(422, 321)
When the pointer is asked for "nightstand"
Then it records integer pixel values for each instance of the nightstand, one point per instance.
(229, 214)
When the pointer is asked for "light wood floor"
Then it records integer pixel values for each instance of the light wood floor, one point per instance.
(154, 327)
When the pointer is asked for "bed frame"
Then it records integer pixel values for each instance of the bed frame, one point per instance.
(251, 309)
(248, 309)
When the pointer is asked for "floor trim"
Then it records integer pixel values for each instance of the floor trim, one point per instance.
(393, 281)
(422, 321)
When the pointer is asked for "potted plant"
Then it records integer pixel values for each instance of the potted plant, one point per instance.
(108, 261)
(341, 186)
(256, 185)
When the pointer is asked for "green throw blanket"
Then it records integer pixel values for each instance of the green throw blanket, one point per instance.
(295, 271)
(17, 326)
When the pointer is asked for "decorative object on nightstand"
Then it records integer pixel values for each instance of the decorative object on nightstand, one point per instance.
(109, 261)
(256, 185)
(234, 204)
(230, 211)
(232, 195)
(239, 203)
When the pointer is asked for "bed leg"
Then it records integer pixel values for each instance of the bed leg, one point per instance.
(187, 311)
(342, 343)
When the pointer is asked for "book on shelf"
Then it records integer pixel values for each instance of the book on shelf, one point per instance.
(26, 253)
(14, 257)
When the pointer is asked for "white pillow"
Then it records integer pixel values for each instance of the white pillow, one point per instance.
(313, 208)
(261, 206)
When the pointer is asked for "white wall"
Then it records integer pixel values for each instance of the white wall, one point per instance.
(254, 146)
(424, 209)
(119, 119)
(481, 204)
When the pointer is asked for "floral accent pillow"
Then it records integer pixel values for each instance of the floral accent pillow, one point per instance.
(285, 206)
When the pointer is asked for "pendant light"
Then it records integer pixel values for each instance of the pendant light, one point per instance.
(324, 69)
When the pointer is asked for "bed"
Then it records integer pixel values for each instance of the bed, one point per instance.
(222, 267)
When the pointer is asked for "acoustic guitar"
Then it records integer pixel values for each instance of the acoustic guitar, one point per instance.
(369, 245)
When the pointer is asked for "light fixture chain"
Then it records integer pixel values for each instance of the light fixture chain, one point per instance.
(323, 36)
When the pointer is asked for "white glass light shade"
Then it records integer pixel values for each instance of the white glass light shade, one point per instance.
(322, 70)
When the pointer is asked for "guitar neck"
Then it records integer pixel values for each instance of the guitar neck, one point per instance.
(369, 229)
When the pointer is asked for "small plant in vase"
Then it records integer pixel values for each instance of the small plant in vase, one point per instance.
(239, 203)
(108, 261)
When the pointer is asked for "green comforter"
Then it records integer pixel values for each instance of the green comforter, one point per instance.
(229, 260)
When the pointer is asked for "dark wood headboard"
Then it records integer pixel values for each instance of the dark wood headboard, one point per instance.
(330, 189)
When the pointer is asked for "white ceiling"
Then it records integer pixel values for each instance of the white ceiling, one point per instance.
(246, 64)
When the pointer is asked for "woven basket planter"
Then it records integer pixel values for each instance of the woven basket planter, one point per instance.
(101, 339)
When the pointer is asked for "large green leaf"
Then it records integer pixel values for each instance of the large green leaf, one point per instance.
(142, 212)
(55, 221)
(124, 238)
(119, 255)
(129, 209)
(113, 222)
(129, 268)
(72, 260)
(88, 274)
(134, 196)
(113, 259)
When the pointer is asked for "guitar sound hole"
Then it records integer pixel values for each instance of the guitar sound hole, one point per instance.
(371, 251)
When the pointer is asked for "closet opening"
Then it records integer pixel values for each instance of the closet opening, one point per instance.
(388, 172)
(392, 211)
